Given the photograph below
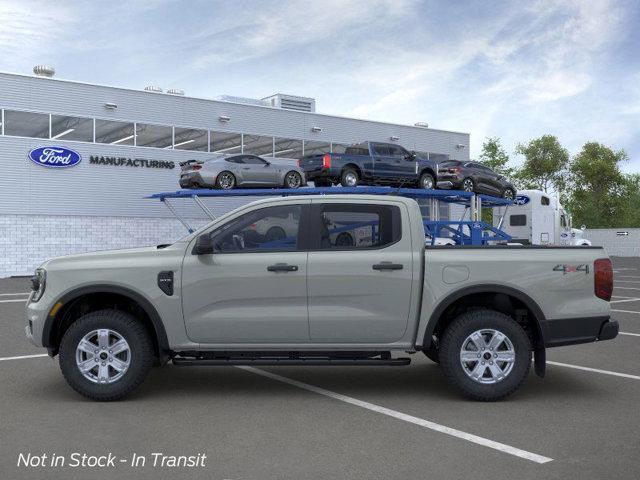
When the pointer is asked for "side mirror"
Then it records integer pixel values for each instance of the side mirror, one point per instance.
(204, 245)
(410, 156)
(583, 227)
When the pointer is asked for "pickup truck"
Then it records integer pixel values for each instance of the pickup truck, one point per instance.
(229, 294)
(371, 163)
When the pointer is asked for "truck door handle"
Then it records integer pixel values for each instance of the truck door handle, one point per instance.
(246, 168)
(388, 266)
(282, 267)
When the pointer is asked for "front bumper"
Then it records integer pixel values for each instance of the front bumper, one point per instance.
(570, 331)
(36, 315)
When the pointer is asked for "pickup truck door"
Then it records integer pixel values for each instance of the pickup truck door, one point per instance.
(360, 270)
(382, 162)
(252, 289)
(403, 165)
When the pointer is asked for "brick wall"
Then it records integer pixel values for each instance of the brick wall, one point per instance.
(28, 240)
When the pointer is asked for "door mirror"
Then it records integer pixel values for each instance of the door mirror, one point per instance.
(266, 163)
(410, 156)
(204, 245)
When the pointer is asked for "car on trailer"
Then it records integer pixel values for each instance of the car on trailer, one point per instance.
(371, 163)
(474, 177)
(226, 172)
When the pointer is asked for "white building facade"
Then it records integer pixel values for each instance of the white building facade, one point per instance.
(129, 144)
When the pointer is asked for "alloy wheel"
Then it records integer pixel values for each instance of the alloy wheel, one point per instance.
(427, 182)
(487, 356)
(467, 185)
(508, 194)
(103, 356)
(351, 179)
(293, 180)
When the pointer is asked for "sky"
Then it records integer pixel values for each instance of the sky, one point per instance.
(514, 70)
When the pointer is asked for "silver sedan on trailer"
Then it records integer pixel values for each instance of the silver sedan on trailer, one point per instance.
(230, 171)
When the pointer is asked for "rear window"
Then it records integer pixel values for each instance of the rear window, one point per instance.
(449, 163)
(544, 200)
(358, 226)
(517, 220)
(360, 149)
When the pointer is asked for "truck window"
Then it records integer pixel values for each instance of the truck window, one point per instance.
(397, 151)
(380, 149)
(358, 226)
(360, 149)
(517, 220)
(267, 229)
(544, 200)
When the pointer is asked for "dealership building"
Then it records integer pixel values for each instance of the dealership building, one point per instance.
(128, 144)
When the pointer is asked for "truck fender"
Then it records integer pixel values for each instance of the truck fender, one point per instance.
(539, 318)
(146, 305)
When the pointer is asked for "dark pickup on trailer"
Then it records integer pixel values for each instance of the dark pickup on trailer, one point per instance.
(371, 163)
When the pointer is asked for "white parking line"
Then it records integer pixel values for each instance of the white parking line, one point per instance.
(626, 281)
(13, 294)
(630, 334)
(626, 311)
(626, 288)
(22, 357)
(13, 300)
(485, 442)
(594, 370)
(627, 276)
(625, 300)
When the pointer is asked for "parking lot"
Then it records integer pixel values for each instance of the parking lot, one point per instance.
(581, 421)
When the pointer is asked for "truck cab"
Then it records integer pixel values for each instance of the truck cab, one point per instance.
(537, 218)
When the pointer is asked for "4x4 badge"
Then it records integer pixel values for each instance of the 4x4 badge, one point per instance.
(572, 268)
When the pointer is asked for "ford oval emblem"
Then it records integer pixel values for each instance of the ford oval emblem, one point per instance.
(55, 157)
(521, 200)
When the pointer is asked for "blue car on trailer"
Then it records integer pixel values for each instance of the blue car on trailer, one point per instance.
(371, 163)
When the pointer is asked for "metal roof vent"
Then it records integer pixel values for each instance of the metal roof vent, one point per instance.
(153, 88)
(44, 71)
(175, 91)
(422, 124)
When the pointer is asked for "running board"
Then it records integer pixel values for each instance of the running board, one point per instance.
(308, 359)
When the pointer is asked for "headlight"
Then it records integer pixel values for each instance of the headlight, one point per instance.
(38, 284)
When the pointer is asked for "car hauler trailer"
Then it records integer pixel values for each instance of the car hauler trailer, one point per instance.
(473, 231)
(537, 218)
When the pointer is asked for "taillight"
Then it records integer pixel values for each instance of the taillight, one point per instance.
(603, 278)
(196, 167)
(299, 162)
(326, 161)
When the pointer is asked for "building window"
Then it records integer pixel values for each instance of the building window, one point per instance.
(258, 145)
(72, 128)
(224, 142)
(312, 147)
(338, 147)
(287, 148)
(26, 124)
(157, 136)
(114, 133)
(190, 139)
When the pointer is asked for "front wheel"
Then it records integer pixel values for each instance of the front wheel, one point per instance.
(427, 181)
(508, 194)
(105, 355)
(485, 354)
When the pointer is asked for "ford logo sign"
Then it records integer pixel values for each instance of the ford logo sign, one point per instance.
(56, 157)
(521, 200)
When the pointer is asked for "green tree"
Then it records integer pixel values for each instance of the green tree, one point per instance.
(495, 157)
(545, 164)
(600, 193)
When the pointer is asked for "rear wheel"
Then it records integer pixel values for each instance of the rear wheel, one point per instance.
(292, 180)
(225, 181)
(485, 354)
(105, 355)
(427, 181)
(349, 178)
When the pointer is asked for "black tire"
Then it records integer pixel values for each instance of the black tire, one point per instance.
(275, 233)
(452, 343)
(322, 182)
(344, 239)
(141, 351)
(509, 194)
(221, 183)
(427, 179)
(346, 176)
(287, 184)
(468, 185)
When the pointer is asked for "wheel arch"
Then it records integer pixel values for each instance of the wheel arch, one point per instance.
(502, 298)
(91, 297)
(353, 166)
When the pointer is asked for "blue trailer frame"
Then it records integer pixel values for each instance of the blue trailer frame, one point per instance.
(462, 232)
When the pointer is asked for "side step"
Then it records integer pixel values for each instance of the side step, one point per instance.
(288, 358)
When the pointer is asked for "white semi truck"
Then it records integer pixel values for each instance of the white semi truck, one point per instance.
(537, 218)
